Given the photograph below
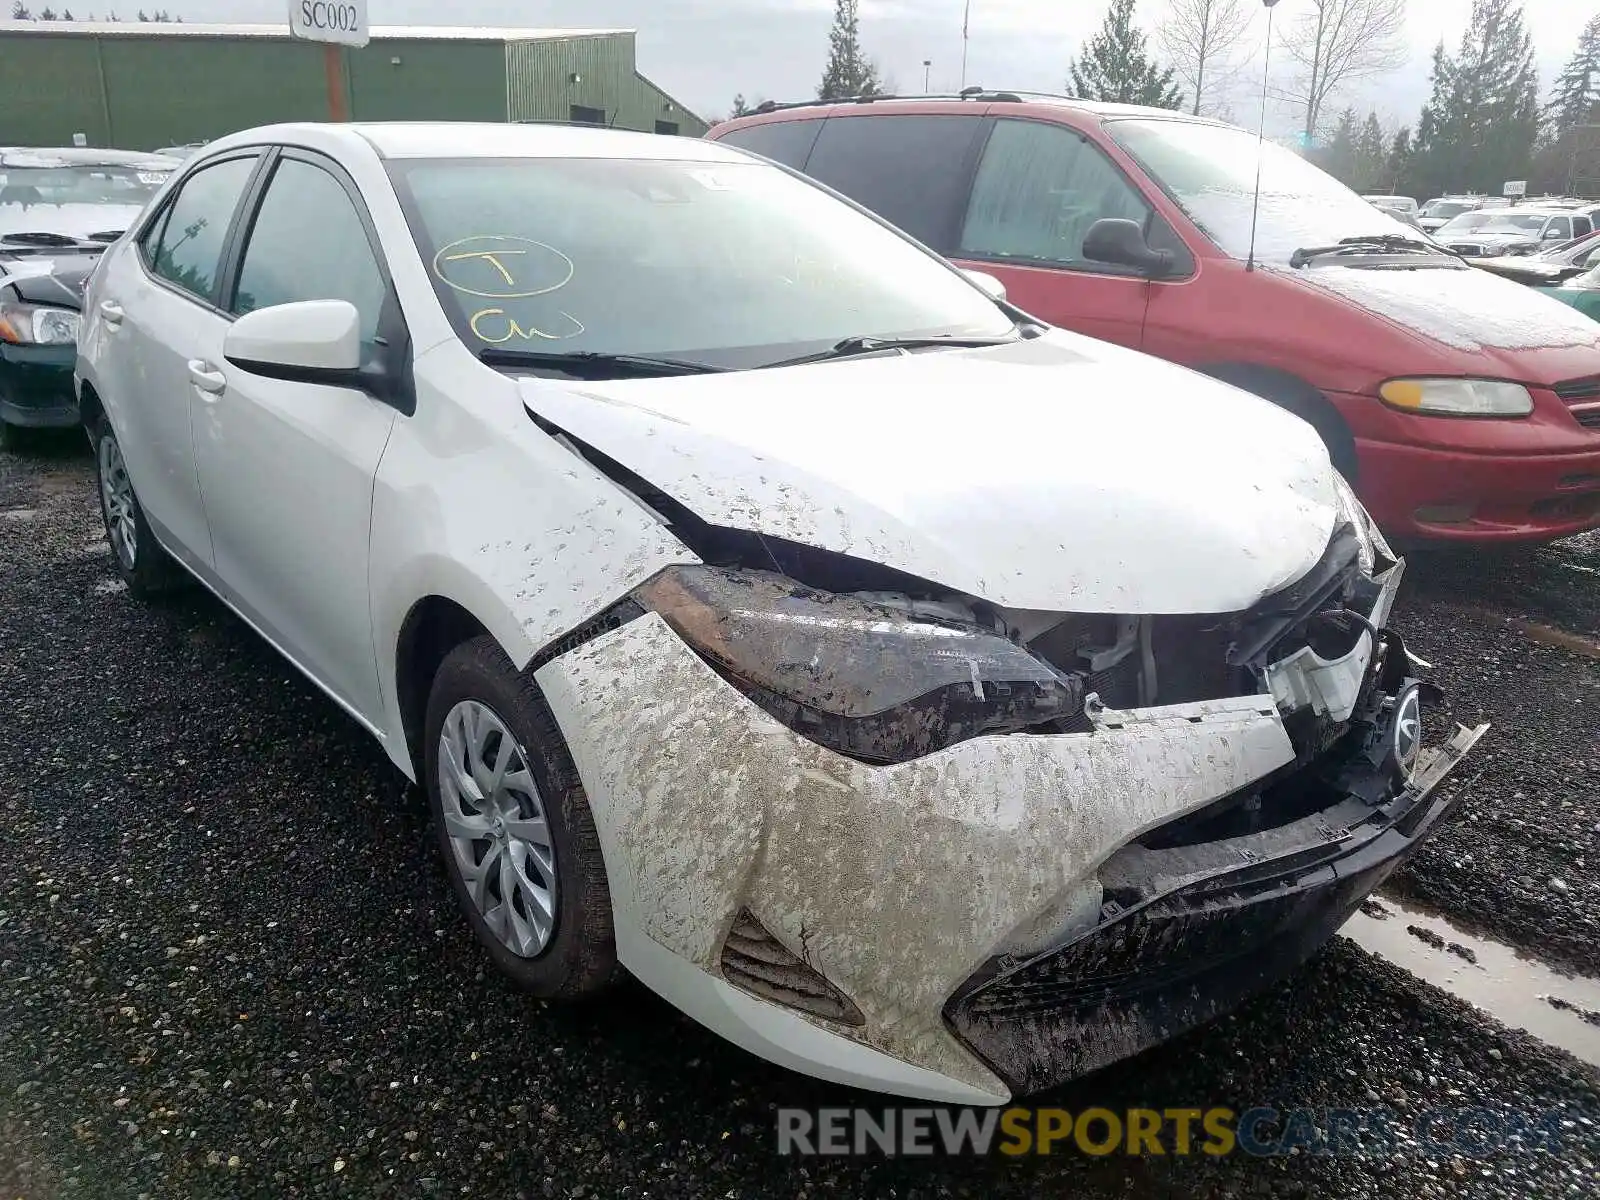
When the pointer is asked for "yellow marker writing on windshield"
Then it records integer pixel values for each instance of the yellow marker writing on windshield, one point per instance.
(492, 258)
(514, 330)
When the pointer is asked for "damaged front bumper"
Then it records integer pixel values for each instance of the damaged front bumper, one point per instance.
(1188, 931)
(1003, 913)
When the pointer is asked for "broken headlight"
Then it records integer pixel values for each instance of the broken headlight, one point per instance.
(1371, 539)
(864, 680)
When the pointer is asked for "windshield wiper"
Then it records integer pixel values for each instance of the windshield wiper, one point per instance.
(859, 344)
(1353, 245)
(38, 239)
(592, 364)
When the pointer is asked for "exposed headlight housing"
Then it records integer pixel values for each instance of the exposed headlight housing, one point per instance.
(1458, 397)
(1373, 544)
(866, 681)
(38, 325)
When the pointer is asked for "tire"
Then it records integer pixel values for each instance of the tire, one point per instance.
(141, 563)
(477, 692)
(11, 437)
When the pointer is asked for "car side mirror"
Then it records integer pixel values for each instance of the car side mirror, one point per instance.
(1121, 241)
(992, 286)
(312, 341)
(1554, 235)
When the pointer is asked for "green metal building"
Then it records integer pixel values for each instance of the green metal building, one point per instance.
(141, 86)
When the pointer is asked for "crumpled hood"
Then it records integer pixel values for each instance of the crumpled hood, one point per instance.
(56, 278)
(1058, 474)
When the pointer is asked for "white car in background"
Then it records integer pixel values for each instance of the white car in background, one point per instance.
(917, 696)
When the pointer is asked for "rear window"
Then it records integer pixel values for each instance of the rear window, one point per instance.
(788, 142)
(910, 170)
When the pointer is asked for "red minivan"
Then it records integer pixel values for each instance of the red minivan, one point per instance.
(1465, 407)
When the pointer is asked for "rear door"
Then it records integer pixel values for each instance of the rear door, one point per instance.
(163, 330)
(1038, 188)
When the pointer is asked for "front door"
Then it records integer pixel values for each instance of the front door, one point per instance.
(286, 469)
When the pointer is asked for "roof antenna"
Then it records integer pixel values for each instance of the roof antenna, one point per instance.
(1261, 139)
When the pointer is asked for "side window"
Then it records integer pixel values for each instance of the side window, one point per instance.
(308, 243)
(1560, 229)
(1039, 189)
(1581, 227)
(150, 243)
(189, 252)
(788, 142)
(909, 170)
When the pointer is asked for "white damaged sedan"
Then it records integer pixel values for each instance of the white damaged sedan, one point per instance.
(917, 696)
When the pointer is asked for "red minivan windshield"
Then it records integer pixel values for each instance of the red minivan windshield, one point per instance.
(1210, 172)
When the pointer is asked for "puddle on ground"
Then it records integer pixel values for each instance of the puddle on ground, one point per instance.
(1508, 985)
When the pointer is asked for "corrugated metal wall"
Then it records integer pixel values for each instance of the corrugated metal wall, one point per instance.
(540, 84)
(141, 92)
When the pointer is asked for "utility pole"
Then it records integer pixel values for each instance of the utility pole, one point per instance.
(966, 17)
(927, 70)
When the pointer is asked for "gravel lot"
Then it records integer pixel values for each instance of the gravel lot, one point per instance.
(1522, 859)
(230, 966)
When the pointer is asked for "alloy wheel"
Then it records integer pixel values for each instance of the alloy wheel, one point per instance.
(116, 492)
(495, 820)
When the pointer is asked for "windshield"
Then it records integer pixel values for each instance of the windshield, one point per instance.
(1210, 171)
(1447, 208)
(731, 264)
(122, 186)
(1496, 222)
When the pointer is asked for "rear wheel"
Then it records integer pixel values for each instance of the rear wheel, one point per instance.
(514, 826)
(141, 562)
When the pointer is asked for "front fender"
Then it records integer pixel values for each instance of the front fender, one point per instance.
(475, 504)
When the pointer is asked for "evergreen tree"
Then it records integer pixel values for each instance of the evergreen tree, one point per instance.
(19, 11)
(1339, 154)
(849, 72)
(1398, 167)
(1117, 67)
(740, 107)
(1482, 121)
(1577, 89)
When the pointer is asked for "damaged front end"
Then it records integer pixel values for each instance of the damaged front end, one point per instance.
(913, 840)
(1198, 914)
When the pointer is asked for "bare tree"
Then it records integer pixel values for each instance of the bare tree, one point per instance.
(1200, 39)
(1337, 42)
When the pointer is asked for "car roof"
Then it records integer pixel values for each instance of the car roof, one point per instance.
(462, 139)
(1531, 210)
(79, 156)
(978, 99)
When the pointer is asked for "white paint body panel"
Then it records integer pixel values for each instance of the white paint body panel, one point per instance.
(1059, 474)
(706, 804)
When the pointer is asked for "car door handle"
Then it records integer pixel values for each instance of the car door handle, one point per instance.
(112, 312)
(207, 378)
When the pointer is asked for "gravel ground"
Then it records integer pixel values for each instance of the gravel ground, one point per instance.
(1521, 860)
(230, 967)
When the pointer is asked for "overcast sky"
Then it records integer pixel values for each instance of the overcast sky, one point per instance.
(703, 51)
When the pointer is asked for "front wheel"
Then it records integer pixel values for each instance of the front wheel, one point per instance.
(141, 562)
(514, 826)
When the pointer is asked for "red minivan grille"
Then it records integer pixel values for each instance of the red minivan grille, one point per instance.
(1583, 397)
(1574, 390)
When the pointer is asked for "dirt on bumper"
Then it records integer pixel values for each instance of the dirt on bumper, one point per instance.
(1198, 929)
